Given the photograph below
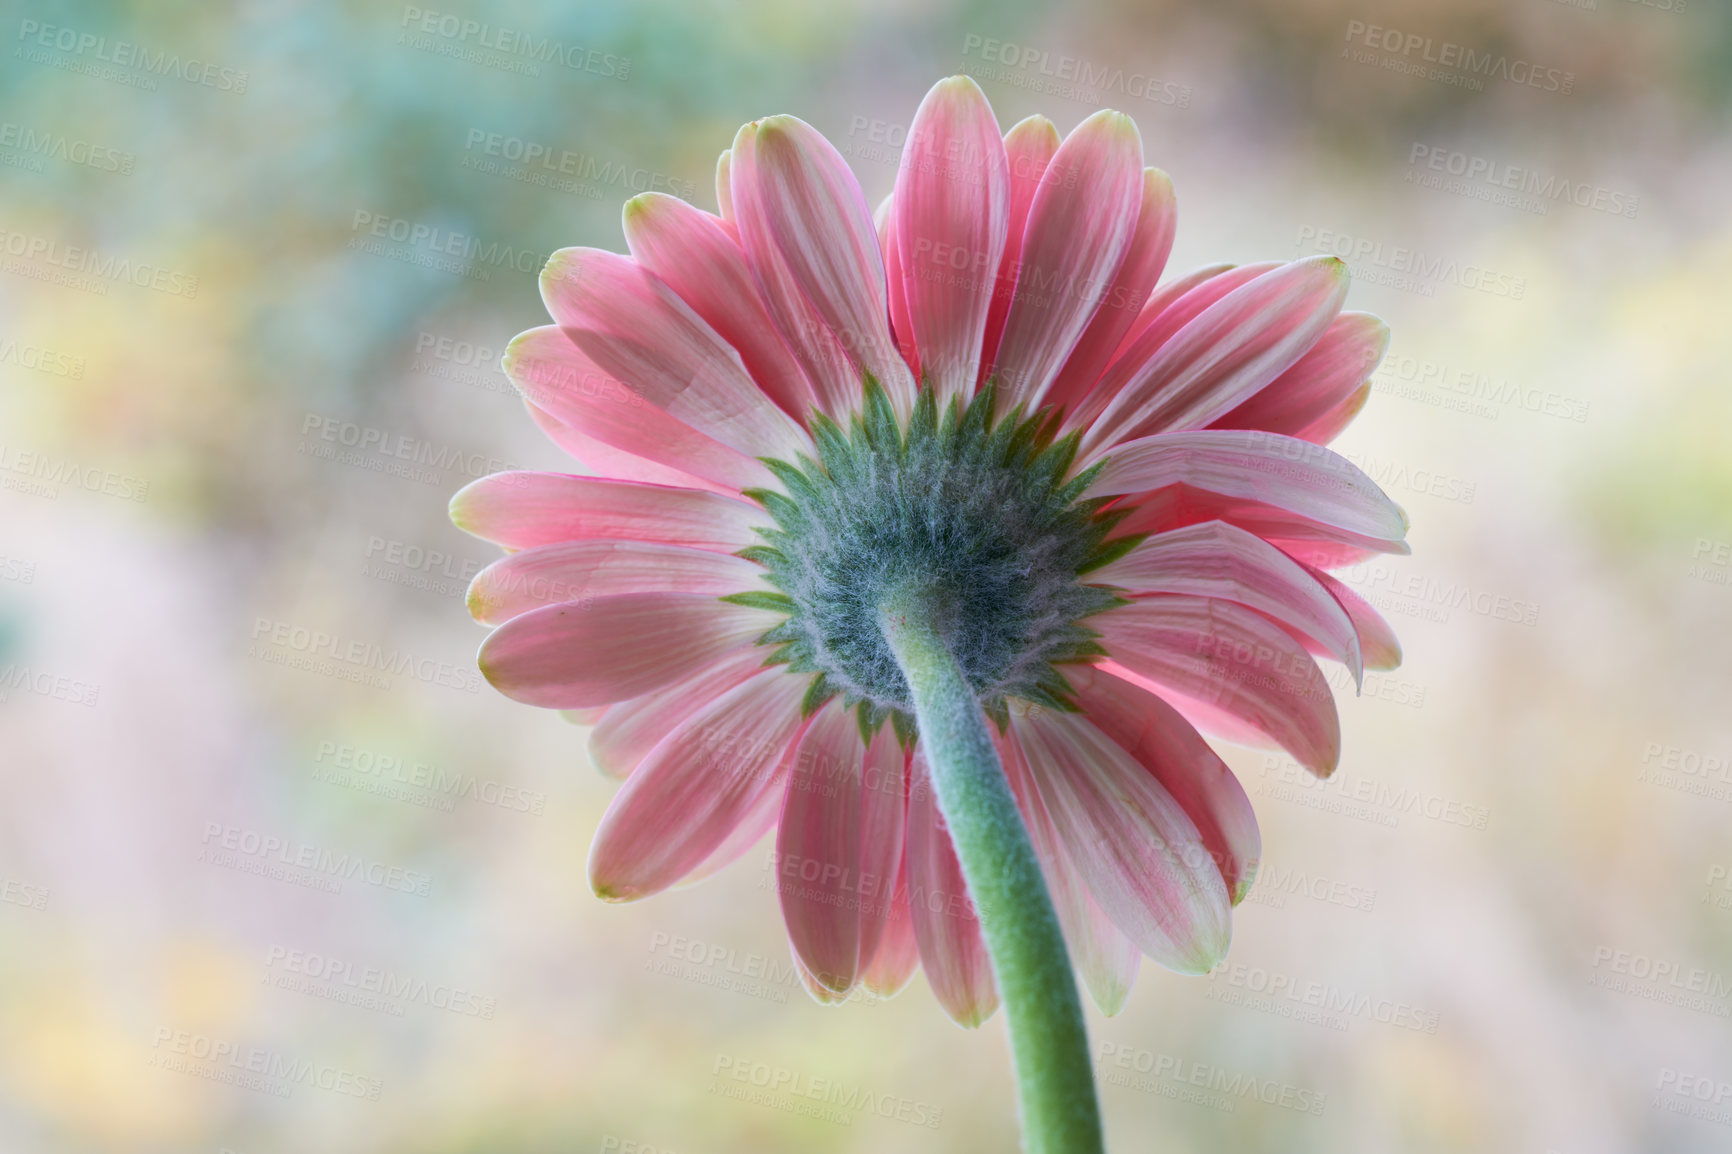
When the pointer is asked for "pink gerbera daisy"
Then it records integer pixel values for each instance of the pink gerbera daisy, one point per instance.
(850, 474)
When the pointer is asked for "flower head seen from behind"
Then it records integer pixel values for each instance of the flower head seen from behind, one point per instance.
(1113, 488)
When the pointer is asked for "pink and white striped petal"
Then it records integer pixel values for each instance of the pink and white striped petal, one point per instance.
(608, 649)
(1168, 746)
(1157, 219)
(701, 783)
(1215, 559)
(1106, 958)
(630, 729)
(1295, 477)
(946, 926)
(693, 253)
(1229, 670)
(952, 210)
(838, 847)
(1327, 375)
(604, 460)
(576, 570)
(805, 225)
(898, 953)
(556, 376)
(638, 330)
(901, 328)
(1079, 228)
(1329, 425)
(1029, 147)
(1376, 639)
(1161, 302)
(1142, 857)
(521, 509)
(1229, 352)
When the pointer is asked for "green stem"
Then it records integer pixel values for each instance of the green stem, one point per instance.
(1060, 1113)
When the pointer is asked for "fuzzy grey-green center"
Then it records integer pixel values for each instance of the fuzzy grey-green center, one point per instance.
(974, 515)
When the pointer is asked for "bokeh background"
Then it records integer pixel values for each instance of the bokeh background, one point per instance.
(231, 417)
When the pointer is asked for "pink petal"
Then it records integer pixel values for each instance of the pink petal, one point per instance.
(1168, 746)
(691, 251)
(951, 207)
(725, 191)
(952, 951)
(630, 729)
(1215, 559)
(1142, 857)
(1102, 953)
(578, 570)
(838, 847)
(638, 330)
(898, 953)
(1230, 351)
(556, 376)
(1079, 228)
(696, 787)
(805, 224)
(1028, 148)
(1157, 219)
(1329, 425)
(1376, 639)
(1159, 306)
(1330, 373)
(1233, 663)
(520, 510)
(606, 461)
(607, 649)
(1295, 477)
(901, 327)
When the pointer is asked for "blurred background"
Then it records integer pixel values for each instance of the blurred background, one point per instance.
(258, 262)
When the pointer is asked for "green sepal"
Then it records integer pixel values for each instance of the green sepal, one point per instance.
(817, 694)
(761, 599)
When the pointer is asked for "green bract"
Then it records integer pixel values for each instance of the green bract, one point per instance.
(976, 514)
